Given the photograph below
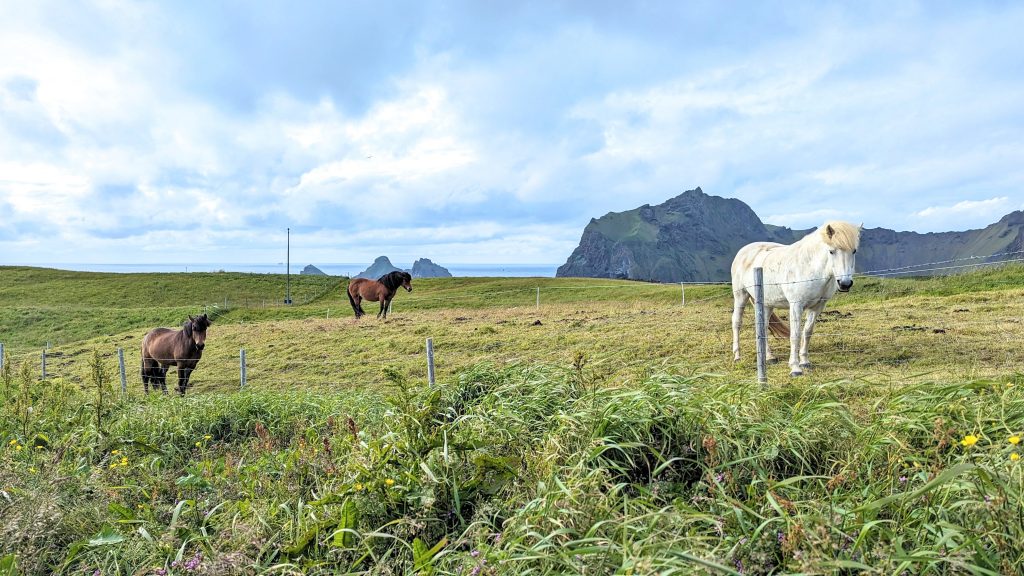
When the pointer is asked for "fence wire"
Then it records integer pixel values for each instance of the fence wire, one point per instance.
(851, 337)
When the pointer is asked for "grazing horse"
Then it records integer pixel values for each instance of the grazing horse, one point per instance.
(164, 347)
(803, 276)
(380, 290)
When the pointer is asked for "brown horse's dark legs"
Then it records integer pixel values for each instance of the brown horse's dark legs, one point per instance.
(183, 375)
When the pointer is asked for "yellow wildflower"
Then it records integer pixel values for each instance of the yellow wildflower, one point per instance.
(199, 444)
(1015, 439)
(358, 486)
(12, 442)
(32, 470)
(18, 448)
(969, 440)
(389, 482)
(124, 461)
(113, 465)
(115, 452)
(207, 437)
(140, 506)
(1014, 456)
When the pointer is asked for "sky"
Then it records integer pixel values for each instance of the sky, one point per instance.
(489, 132)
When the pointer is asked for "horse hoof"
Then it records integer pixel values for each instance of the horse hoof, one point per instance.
(796, 373)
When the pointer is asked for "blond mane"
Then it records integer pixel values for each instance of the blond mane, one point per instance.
(844, 236)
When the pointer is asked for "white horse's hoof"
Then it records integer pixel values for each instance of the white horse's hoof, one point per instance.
(796, 373)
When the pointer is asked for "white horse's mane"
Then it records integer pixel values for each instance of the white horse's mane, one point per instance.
(840, 235)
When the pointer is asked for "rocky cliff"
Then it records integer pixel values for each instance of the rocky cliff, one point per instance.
(380, 267)
(424, 268)
(693, 237)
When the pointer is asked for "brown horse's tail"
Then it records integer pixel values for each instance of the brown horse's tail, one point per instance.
(777, 327)
(355, 307)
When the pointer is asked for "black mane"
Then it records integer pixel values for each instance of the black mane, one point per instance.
(392, 280)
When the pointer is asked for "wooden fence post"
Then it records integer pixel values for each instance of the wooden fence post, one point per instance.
(759, 326)
(241, 368)
(430, 361)
(120, 363)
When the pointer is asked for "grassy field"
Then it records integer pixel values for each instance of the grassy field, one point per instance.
(605, 431)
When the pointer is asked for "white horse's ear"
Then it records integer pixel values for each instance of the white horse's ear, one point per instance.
(861, 225)
(830, 231)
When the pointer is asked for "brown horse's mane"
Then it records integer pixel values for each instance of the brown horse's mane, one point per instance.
(392, 280)
(198, 323)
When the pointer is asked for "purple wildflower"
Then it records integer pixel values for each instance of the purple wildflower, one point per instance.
(474, 553)
(194, 562)
(903, 479)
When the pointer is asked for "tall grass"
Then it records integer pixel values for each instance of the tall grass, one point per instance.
(522, 470)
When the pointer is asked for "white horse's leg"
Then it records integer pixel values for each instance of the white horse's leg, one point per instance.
(796, 311)
(739, 302)
(805, 339)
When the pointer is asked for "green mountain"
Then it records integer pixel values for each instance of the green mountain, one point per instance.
(693, 237)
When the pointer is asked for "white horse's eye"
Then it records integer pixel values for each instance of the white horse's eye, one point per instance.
(854, 250)
(832, 252)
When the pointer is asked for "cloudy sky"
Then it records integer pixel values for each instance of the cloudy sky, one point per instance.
(489, 132)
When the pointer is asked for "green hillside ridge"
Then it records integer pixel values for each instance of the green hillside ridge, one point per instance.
(694, 236)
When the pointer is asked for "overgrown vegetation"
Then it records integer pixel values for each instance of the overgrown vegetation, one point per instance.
(614, 437)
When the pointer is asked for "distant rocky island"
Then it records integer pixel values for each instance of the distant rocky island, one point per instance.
(422, 268)
(312, 270)
(693, 237)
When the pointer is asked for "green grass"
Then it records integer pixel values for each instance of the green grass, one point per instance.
(615, 436)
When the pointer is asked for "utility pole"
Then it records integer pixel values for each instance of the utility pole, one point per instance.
(288, 271)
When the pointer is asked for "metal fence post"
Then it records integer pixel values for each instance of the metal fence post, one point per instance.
(682, 287)
(120, 363)
(44, 363)
(430, 361)
(538, 296)
(759, 326)
(241, 367)
(1, 355)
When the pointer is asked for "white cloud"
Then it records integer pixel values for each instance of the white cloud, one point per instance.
(121, 134)
(989, 208)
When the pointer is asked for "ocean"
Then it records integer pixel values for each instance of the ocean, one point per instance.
(343, 269)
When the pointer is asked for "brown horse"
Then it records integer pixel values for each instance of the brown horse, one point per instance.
(380, 290)
(164, 347)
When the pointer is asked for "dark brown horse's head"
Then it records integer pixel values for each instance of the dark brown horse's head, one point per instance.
(195, 329)
(392, 280)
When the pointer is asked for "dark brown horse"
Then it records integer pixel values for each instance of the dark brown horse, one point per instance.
(164, 347)
(380, 290)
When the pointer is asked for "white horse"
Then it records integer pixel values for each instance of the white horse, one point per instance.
(803, 276)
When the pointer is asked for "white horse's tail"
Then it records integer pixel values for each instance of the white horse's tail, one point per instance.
(775, 324)
(777, 327)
